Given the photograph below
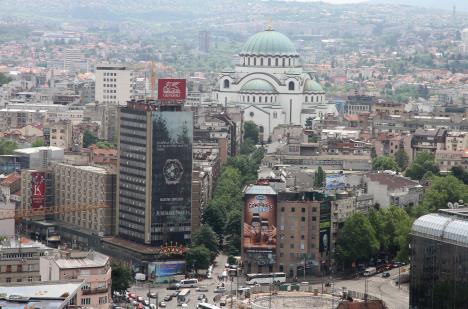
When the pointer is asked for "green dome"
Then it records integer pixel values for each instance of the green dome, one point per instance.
(269, 43)
(258, 86)
(312, 86)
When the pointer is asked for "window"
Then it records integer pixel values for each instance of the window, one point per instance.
(303, 219)
(86, 301)
(275, 115)
(314, 218)
(261, 61)
(226, 83)
(8, 280)
(260, 99)
(19, 268)
(103, 300)
(282, 209)
(253, 98)
(293, 209)
(255, 61)
(302, 209)
(269, 61)
(284, 62)
(291, 246)
(260, 129)
(306, 98)
(290, 85)
(251, 114)
(18, 280)
(276, 61)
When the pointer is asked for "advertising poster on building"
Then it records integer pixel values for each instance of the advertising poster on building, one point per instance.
(325, 225)
(335, 182)
(161, 272)
(172, 89)
(260, 232)
(172, 174)
(37, 190)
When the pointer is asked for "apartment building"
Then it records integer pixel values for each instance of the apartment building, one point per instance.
(19, 260)
(114, 84)
(10, 186)
(85, 185)
(18, 118)
(91, 267)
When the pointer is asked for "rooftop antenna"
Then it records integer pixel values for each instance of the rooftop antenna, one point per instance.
(269, 26)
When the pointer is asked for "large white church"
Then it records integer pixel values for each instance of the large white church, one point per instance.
(269, 83)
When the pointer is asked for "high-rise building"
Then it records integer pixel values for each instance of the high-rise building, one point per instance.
(155, 173)
(73, 59)
(114, 84)
(439, 260)
(204, 41)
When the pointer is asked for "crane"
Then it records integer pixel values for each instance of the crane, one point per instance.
(24, 213)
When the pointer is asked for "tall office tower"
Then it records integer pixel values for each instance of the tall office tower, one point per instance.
(204, 41)
(155, 174)
(73, 59)
(114, 84)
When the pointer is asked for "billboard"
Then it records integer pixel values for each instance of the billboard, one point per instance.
(163, 271)
(172, 176)
(259, 232)
(335, 182)
(37, 190)
(172, 89)
(325, 225)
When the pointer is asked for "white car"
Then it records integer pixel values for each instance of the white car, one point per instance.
(184, 306)
(162, 304)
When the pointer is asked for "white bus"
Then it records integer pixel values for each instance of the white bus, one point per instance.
(207, 306)
(188, 283)
(183, 297)
(266, 278)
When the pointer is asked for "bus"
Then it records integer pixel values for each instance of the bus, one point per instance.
(266, 278)
(188, 283)
(207, 306)
(183, 297)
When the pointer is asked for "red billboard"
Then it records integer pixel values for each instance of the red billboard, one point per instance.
(37, 190)
(172, 89)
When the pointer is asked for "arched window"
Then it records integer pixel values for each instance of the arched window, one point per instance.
(289, 61)
(248, 98)
(290, 85)
(226, 83)
(275, 115)
(306, 98)
(271, 99)
(260, 99)
(284, 62)
(248, 61)
(261, 61)
(255, 61)
(269, 62)
(260, 129)
(266, 99)
(276, 61)
(253, 98)
(312, 99)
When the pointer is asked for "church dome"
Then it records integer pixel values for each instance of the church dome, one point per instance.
(312, 86)
(268, 43)
(258, 86)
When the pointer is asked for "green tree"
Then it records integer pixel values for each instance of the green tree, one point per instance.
(207, 237)
(460, 173)
(251, 132)
(38, 142)
(121, 277)
(215, 217)
(423, 163)
(7, 147)
(444, 190)
(4, 79)
(89, 139)
(247, 147)
(401, 159)
(104, 144)
(356, 240)
(233, 231)
(383, 163)
(198, 257)
(319, 178)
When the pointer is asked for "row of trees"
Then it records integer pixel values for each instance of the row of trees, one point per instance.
(423, 165)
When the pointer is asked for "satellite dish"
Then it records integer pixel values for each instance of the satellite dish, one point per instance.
(450, 205)
(461, 202)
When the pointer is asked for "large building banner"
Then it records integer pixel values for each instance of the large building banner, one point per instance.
(165, 271)
(325, 226)
(172, 89)
(260, 227)
(37, 190)
(172, 174)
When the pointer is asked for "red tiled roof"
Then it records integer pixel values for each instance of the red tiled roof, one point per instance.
(351, 117)
(10, 179)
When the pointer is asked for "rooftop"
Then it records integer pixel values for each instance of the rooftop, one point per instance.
(391, 181)
(257, 189)
(91, 260)
(37, 149)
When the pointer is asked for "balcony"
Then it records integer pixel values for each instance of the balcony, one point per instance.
(94, 291)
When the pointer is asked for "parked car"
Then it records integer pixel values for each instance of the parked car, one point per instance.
(140, 299)
(168, 298)
(201, 296)
(146, 302)
(223, 301)
(220, 289)
(172, 287)
(162, 304)
(386, 274)
(202, 288)
(184, 306)
(175, 293)
(151, 295)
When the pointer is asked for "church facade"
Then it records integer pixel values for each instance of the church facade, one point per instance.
(269, 84)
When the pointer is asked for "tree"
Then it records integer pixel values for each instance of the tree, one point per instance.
(383, 163)
(401, 159)
(460, 173)
(247, 147)
(207, 237)
(423, 163)
(215, 217)
(89, 139)
(444, 190)
(233, 231)
(7, 147)
(251, 132)
(356, 240)
(38, 142)
(121, 277)
(198, 257)
(4, 79)
(104, 144)
(319, 178)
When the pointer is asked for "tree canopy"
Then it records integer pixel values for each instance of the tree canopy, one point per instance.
(7, 147)
(205, 236)
(4, 79)
(383, 163)
(401, 159)
(89, 138)
(198, 257)
(319, 178)
(251, 132)
(121, 277)
(423, 163)
(38, 142)
(443, 190)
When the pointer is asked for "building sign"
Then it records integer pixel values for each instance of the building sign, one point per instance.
(335, 182)
(172, 175)
(163, 271)
(172, 249)
(325, 225)
(260, 234)
(37, 190)
(172, 89)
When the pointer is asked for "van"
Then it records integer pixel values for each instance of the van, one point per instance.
(188, 283)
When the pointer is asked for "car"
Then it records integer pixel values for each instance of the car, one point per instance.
(220, 289)
(202, 288)
(168, 297)
(386, 274)
(152, 306)
(223, 301)
(151, 295)
(201, 297)
(162, 304)
(184, 306)
(146, 302)
(175, 293)
(209, 275)
(173, 287)
(140, 299)
(134, 303)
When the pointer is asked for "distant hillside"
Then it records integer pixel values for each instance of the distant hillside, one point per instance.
(461, 5)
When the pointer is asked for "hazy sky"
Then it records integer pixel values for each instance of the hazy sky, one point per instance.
(331, 1)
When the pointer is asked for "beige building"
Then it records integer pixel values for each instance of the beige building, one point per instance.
(60, 134)
(19, 260)
(92, 267)
(114, 84)
(85, 185)
(17, 118)
(456, 141)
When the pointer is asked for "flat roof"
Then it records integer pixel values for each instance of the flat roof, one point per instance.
(92, 260)
(37, 149)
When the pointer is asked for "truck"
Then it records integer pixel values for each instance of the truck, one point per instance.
(370, 271)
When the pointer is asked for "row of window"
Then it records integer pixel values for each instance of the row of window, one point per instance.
(293, 209)
(247, 61)
(8, 279)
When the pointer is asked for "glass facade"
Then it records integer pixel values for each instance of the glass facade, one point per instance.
(439, 274)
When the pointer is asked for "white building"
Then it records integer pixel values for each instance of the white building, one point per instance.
(270, 84)
(114, 84)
